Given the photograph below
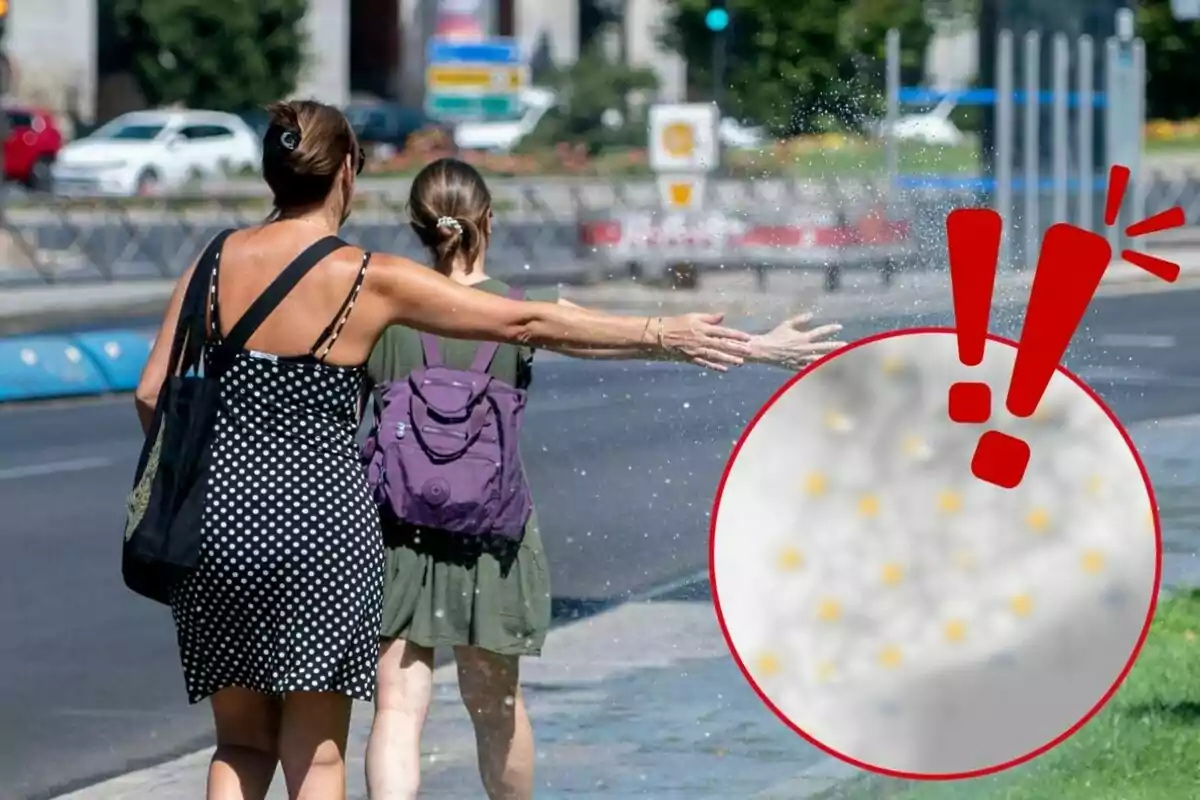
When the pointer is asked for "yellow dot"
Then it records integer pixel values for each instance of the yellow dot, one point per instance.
(955, 630)
(825, 671)
(892, 365)
(892, 574)
(1021, 605)
(837, 421)
(1092, 562)
(1038, 520)
(949, 502)
(829, 610)
(914, 446)
(1045, 413)
(815, 483)
(1094, 485)
(963, 559)
(768, 664)
(891, 657)
(790, 559)
(868, 505)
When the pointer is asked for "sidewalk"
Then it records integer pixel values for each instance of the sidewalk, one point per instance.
(735, 292)
(643, 700)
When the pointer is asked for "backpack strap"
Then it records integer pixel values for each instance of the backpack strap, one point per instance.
(430, 350)
(486, 351)
(191, 330)
(270, 299)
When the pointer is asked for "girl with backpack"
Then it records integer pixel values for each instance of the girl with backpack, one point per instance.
(465, 566)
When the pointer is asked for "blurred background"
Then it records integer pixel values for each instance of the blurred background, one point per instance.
(832, 145)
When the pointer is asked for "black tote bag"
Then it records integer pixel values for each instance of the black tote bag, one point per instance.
(163, 522)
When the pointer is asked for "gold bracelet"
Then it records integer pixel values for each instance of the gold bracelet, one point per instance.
(661, 344)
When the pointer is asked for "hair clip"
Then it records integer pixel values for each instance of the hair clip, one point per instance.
(289, 140)
(451, 223)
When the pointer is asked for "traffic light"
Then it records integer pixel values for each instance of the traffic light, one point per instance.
(717, 22)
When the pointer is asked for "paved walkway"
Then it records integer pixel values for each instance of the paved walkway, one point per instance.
(643, 700)
(735, 292)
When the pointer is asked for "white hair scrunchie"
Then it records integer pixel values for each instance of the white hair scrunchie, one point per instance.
(451, 223)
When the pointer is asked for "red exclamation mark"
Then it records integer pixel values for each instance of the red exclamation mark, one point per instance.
(1070, 265)
(974, 244)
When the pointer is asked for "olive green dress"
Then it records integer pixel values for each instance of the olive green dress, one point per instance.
(443, 590)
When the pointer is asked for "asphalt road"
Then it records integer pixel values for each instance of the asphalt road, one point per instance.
(623, 459)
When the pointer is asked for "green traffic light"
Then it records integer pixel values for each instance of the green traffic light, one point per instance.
(717, 19)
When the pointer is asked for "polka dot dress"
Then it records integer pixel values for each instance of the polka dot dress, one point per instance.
(288, 592)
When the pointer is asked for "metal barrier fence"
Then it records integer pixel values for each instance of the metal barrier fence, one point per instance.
(1073, 191)
(564, 232)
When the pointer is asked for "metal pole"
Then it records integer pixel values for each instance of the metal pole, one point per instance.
(891, 146)
(1060, 129)
(1033, 85)
(1138, 206)
(1112, 122)
(1004, 141)
(718, 61)
(1085, 128)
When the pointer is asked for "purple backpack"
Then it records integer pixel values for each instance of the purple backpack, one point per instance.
(443, 453)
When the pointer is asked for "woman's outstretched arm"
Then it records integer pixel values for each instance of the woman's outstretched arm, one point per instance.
(420, 298)
(791, 345)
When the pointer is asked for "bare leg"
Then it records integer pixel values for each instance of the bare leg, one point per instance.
(402, 695)
(312, 744)
(492, 693)
(247, 744)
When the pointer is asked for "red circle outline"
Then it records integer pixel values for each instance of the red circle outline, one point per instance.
(917, 776)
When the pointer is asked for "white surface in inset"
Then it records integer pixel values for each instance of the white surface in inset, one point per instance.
(900, 610)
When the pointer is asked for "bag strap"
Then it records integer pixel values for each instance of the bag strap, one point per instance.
(430, 351)
(270, 299)
(191, 329)
(486, 351)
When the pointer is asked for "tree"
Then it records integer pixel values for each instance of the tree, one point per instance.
(800, 67)
(588, 90)
(1173, 85)
(227, 55)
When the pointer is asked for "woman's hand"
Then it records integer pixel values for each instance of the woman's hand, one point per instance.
(700, 339)
(793, 345)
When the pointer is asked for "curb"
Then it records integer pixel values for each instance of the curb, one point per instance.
(110, 360)
(74, 365)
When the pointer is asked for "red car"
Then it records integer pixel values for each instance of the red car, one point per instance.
(32, 145)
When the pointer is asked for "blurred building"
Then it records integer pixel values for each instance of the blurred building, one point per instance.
(52, 45)
(68, 55)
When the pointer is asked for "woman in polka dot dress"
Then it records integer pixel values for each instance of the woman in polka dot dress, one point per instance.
(279, 625)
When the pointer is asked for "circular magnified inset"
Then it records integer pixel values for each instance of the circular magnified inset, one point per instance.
(905, 615)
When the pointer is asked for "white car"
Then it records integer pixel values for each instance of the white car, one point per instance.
(145, 152)
(501, 136)
(933, 128)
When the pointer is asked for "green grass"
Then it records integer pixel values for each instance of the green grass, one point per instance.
(1145, 744)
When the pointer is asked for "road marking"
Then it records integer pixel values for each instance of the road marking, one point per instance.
(53, 468)
(1136, 340)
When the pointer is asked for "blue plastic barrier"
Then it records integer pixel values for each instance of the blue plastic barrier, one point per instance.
(119, 354)
(37, 367)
